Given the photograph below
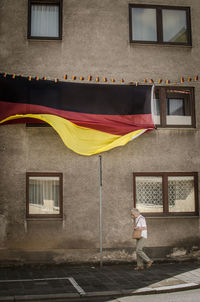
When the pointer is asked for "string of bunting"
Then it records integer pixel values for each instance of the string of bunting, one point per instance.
(90, 78)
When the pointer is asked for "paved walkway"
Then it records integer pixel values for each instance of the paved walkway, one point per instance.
(58, 282)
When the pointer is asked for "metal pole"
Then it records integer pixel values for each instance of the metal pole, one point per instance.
(100, 212)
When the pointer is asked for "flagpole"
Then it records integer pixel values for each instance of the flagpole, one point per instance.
(100, 212)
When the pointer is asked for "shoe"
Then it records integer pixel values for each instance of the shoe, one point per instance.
(139, 268)
(149, 264)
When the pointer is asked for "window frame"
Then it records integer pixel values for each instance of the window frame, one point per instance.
(44, 174)
(45, 2)
(163, 105)
(165, 176)
(159, 25)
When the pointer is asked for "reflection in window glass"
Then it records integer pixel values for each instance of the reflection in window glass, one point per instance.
(144, 24)
(174, 26)
(149, 196)
(178, 108)
(44, 195)
(175, 107)
(181, 194)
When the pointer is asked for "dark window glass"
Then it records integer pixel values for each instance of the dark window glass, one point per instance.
(175, 107)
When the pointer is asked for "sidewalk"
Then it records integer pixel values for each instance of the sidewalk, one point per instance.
(58, 282)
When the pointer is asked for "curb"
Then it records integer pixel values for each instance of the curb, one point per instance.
(166, 289)
(141, 291)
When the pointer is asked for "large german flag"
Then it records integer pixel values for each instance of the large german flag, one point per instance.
(90, 118)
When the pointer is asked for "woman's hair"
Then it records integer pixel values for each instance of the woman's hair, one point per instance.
(135, 211)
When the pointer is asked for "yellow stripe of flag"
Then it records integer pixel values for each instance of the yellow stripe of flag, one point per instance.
(81, 140)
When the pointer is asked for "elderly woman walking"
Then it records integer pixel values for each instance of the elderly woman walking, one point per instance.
(140, 224)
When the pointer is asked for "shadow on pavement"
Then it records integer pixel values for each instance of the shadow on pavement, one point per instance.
(111, 279)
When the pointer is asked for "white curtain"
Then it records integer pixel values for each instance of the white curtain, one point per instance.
(44, 20)
(44, 189)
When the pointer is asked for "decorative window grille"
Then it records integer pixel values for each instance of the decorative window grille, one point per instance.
(166, 193)
(149, 190)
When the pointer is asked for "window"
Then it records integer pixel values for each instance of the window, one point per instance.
(166, 193)
(174, 107)
(160, 24)
(45, 19)
(44, 194)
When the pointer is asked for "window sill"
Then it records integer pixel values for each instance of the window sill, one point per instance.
(44, 40)
(134, 43)
(44, 219)
(177, 128)
(172, 217)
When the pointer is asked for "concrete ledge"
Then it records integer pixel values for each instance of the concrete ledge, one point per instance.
(104, 293)
(45, 297)
(166, 289)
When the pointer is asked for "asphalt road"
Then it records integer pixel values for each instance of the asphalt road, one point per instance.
(89, 284)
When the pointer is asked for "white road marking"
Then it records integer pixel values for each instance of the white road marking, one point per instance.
(77, 287)
(31, 280)
(70, 279)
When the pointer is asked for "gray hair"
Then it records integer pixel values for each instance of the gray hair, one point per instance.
(135, 211)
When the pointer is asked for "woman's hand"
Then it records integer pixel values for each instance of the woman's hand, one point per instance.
(138, 228)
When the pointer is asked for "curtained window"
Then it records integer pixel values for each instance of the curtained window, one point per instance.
(144, 24)
(45, 19)
(44, 194)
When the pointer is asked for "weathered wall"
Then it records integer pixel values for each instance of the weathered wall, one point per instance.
(95, 41)
(76, 237)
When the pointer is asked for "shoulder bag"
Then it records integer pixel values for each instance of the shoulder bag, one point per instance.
(137, 233)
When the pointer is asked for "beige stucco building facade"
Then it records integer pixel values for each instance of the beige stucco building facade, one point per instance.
(95, 41)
